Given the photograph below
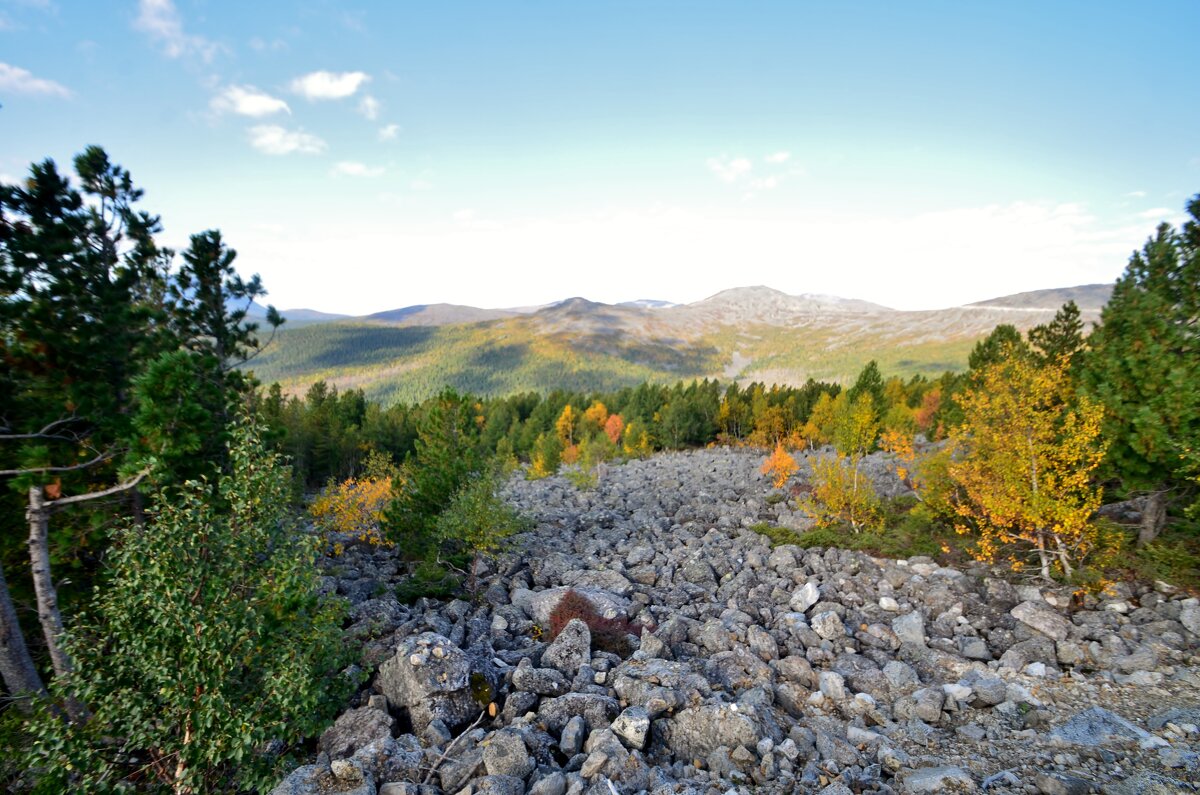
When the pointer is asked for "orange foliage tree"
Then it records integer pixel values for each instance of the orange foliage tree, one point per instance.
(614, 427)
(780, 466)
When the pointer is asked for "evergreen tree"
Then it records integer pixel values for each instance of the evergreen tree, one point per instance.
(1144, 368)
(1060, 339)
(1004, 342)
(446, 454)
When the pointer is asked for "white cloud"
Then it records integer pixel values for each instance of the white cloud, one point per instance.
(160, 20)
(730, 169)
(22, 81)
(248, 101)
(272, 139)
(351, 168)
(1136, 194)
(369, 106)
(329, 85)
(1156, 213)
(778, 157)
(389, 132)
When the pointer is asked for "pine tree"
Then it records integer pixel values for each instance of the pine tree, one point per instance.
(1143, 366)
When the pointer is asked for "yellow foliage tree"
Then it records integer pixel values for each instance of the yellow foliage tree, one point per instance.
(780, 466)
(354, 507)
(841, 496)
(595, 416)
(564, 426)
(637, 441)
(840, 493)
(1025, 453)
(923, 472)
(820, 421)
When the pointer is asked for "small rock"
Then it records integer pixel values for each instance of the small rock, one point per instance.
(828, 625)
(632, 727)
(505, 754)
(1058, 784)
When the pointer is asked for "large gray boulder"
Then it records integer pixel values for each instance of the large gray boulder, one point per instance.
(696, 732)
(570, 650)
(1042, 618)
(430, 677)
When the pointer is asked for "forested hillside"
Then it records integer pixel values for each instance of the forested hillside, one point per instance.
(747, 335)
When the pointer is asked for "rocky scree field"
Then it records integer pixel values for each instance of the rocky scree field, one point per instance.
(758, 669)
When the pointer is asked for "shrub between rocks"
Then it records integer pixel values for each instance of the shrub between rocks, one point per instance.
(608, 634)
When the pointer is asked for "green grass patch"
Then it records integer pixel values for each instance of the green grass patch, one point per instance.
(908, 533)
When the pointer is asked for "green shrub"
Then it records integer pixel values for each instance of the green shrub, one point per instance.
(208, 642)
(477, 523)
(429, 579)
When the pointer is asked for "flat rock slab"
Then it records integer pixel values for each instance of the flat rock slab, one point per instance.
(1097, 726)
(1043, 619)
(939, 779)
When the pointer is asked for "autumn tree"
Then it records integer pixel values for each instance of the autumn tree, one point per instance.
(595, 416)
(614, 427)
(564, 426)
(819, 425)
(1144, 369)
(779, 466)
(1025, 454)
(840, 492)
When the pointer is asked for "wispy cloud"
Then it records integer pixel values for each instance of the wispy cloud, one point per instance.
(329, 85)
(248, 101)
(389, 132)
(730, 169)
(259, 44)
(351, 168)
(160, 20)
(369, 107)
(272, 139)
(1156, 213)
(22, 81)
(778, 158)
(1136, 194)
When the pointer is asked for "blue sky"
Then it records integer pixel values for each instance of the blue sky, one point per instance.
(362, 157)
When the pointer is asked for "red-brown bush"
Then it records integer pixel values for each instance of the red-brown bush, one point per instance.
(608, 634)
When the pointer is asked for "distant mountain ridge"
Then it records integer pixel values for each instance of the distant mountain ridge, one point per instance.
(745, 334)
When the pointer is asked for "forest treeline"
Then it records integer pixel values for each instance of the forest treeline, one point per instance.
(155, 583)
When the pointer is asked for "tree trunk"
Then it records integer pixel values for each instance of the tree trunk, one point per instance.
(1043, 557)
(16, 666)
(38, 514)
(1154, 517)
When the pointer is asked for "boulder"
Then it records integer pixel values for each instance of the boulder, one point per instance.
(355, 729)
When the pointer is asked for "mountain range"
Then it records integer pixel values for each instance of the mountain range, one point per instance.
(745, 334)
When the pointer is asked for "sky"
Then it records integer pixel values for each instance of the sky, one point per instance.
(368, 156)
